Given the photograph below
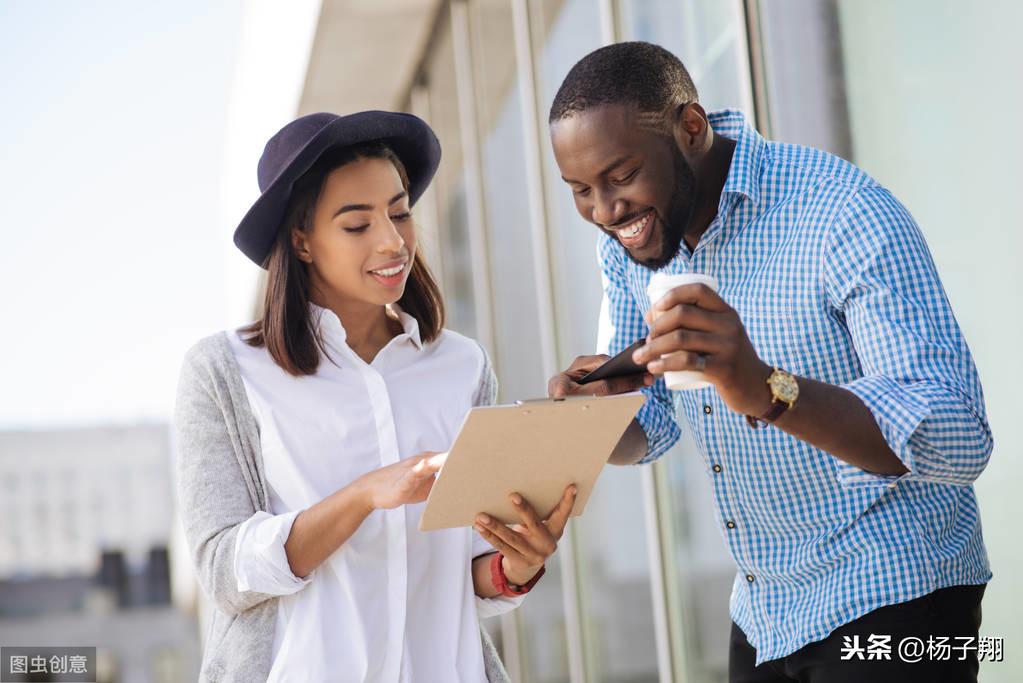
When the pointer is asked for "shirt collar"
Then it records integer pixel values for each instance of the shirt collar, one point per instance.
(328, 324)
(744, 171)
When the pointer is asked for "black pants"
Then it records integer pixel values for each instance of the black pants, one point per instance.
(949, 612)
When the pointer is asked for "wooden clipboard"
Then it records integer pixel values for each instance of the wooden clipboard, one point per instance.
(536, 448)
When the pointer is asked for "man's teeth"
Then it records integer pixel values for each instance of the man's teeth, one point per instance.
(635, 228)
(389, 272)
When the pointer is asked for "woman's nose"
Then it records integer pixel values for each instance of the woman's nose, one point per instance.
(391, 241)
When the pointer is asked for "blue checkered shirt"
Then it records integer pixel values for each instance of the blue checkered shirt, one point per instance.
(833, 281)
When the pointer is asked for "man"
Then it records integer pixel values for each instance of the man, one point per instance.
(846, 422)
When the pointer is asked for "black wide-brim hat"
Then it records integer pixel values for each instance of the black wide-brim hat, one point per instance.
(297, 146)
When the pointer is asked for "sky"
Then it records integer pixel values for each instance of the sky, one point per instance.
(114, 244)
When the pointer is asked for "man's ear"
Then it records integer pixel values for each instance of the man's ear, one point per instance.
(300, 245)
(691, 130)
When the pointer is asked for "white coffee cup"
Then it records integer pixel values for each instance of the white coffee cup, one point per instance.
(661, 284)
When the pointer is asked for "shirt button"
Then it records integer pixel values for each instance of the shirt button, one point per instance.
(707, 410)
(749, 578)
(730, 524)
(717, 469)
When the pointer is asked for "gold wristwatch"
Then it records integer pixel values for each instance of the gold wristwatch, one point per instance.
(784, 393)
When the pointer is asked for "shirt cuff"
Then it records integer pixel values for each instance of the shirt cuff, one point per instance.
(260, 561)
(898, 413)
(499, 604)
(659, 423)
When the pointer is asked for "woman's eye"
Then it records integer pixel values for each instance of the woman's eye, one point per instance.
(402, 216)
(357, 229)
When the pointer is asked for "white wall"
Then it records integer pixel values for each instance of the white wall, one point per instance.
(935, 95)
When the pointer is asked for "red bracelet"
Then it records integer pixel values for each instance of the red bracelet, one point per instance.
(501, 581)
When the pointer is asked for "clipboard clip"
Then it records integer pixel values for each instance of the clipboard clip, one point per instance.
(528, 401)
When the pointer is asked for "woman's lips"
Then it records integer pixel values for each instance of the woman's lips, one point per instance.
(391, 275)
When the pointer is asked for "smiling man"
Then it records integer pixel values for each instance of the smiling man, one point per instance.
(846, 423)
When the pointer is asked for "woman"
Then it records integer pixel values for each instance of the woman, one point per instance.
(307, 440)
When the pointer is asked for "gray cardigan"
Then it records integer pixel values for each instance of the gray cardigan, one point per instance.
(221, 484)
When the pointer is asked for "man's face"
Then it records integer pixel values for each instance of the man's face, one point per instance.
(628, 179)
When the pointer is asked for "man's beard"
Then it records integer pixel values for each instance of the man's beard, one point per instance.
(680, 211)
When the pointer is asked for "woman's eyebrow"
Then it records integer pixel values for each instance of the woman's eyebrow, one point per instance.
(368, 207)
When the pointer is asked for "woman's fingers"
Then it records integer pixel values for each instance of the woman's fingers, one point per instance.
(415, 482)
(493, 530)
(487, 532)
(429, 463)
(558, 518)
(435, 461)
(527, 514)
(498, 544)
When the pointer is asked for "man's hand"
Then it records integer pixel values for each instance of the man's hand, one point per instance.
(703, 333)
(564, 384)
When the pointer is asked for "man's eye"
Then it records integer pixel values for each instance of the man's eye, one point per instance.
(582, 192)
(627, 177)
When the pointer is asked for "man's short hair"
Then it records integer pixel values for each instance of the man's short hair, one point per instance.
(638, 73)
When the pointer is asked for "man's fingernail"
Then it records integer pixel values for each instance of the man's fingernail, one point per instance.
(637, 355)
(516, 498)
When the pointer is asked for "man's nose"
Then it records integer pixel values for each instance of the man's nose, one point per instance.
(607, 209)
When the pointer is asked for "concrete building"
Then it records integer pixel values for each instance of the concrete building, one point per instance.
(88, 518)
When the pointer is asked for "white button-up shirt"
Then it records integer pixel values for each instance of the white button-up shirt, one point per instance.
(393, 603)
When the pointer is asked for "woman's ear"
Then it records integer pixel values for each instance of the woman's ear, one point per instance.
(300, 245)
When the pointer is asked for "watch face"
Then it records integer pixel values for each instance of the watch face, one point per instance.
(784, 387)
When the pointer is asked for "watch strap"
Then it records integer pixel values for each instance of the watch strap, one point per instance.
(777, 409)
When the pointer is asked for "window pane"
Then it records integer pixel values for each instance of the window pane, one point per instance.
(933, 91)
(518, 360)
(564, 32)
(450, 185)
(709, 37)
(614, 566)
(506, 206)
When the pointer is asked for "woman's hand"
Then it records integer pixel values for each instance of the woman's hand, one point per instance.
(407, 481)
(527, 546)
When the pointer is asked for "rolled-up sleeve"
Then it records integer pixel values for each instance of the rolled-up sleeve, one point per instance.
(918, 378)
(214, 498)
(260, 561)
(623, 324)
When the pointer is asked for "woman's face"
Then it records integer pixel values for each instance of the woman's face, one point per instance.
(362, 240)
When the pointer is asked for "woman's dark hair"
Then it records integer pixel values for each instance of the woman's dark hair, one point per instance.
(286, 329)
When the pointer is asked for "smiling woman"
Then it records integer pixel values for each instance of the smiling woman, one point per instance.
(302, 481)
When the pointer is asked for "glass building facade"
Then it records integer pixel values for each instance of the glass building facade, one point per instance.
(639, 588)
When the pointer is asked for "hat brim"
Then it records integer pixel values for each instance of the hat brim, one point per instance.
(409, 136)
